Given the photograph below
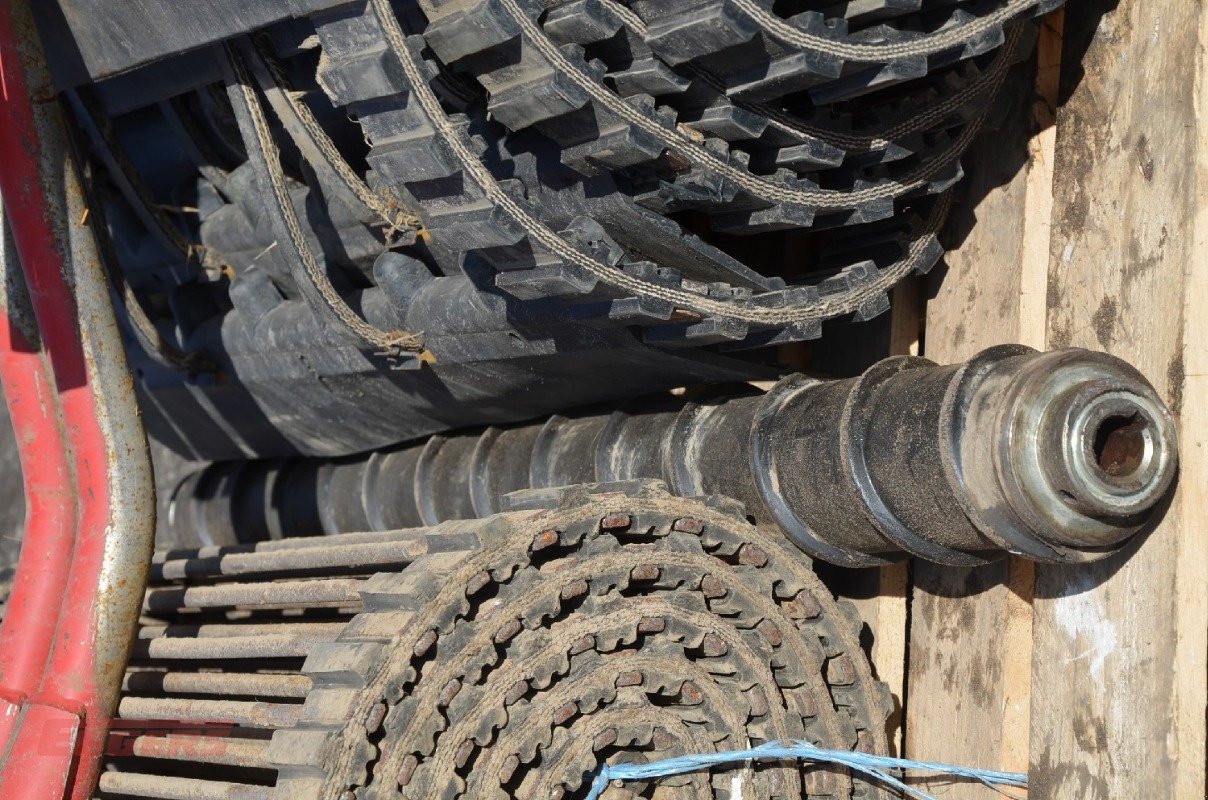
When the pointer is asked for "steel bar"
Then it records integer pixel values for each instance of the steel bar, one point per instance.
(1059, 456)
(235, 712)
(163, 787)
(203, 750)
(217, 683)
(281, 594)
(225, 631)
(280, 645)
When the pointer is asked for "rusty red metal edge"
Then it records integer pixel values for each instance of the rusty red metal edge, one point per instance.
(73, 608)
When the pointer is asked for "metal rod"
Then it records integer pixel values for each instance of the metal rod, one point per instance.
(1058, 456)
(203, 749)
(278, 645)
(249, 714)
(346, 556)
(132, 784)
(220, 631)
(281, 594)
(231, 684)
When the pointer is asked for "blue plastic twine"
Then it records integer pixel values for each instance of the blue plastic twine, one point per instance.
(874, 767)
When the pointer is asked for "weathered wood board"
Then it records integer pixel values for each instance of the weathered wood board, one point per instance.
(969, 673)
(1119, 647)
(1091, 210)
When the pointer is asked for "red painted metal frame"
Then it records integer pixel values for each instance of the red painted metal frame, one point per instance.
(56, 684)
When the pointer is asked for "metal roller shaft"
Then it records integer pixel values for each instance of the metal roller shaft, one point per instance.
(1059, 456)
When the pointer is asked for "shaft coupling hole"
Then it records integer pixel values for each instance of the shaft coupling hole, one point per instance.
(1119, 444)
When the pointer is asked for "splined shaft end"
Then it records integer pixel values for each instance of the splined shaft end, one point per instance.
(1072, 450)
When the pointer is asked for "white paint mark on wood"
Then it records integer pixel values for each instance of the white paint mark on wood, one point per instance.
(1092, 635)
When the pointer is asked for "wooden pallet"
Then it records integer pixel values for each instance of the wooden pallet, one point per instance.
(1089, 229)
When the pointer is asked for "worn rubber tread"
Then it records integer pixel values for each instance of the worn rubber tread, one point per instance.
(583, 556)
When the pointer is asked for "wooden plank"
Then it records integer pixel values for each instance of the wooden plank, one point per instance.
(1191, 587)
(893, 591)
(907, 318)
(886, 615)
(1033, 291)
(1119, 658)
(882, 595)
(969, 677)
